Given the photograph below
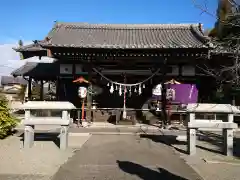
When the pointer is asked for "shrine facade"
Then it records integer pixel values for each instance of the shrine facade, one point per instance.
(123, 62)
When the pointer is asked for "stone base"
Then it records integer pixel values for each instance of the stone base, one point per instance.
(126, 122)
(85, 124)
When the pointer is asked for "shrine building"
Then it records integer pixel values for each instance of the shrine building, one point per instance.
(131, 58)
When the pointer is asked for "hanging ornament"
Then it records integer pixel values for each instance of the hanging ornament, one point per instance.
(130, 92)
(135, 90)
(143, 86)
(120, 90)
(139, 90)
(107, 84)
(111, 89)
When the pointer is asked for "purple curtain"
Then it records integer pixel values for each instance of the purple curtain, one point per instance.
(184, 93)
(181, 93)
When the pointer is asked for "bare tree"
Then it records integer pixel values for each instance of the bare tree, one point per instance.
(224, 39)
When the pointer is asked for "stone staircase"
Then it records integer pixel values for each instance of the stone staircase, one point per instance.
(101, 116)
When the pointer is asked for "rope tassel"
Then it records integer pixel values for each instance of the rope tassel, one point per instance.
(140, 85)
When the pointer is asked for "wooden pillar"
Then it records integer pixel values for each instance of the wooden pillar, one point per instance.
(57, 88)
(124, 97)
(41, 90)
(30, 88)
(89, 116)
(164, 100)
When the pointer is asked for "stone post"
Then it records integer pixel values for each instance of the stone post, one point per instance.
(118, 116)
(64, 131)
(28, 132)
(228, 138)
(191, 137)
(64, 137)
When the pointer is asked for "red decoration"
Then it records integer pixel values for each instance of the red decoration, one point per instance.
(81, 80)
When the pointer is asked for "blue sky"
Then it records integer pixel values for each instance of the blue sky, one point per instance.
(31, 19)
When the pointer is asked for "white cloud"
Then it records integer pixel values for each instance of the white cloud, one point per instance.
(9, 59)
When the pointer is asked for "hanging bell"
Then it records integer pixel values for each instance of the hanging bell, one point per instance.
(111, 89)
(108, 84)
(143, 86)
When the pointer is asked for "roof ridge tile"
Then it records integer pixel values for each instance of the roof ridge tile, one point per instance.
(125, 26)
(124, 36)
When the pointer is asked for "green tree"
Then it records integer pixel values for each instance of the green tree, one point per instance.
(20, 44)
(227, 11)
(7, 120)
(224, 8)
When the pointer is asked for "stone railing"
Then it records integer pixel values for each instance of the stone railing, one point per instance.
(227, 126)
(30, 121)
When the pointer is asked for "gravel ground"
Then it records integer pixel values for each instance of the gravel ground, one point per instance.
(210, 163)
(105, 150)
(24, 177)
(37, 163)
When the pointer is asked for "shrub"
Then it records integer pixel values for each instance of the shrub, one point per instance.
(7, 120)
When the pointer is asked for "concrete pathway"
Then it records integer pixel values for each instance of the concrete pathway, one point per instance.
(115, 157)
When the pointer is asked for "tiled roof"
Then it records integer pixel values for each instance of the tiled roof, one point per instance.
(126, 36)
(7, 80)
(35, 46)
(37, 69)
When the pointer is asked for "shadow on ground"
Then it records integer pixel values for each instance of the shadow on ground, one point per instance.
(146, 173)
(169, 140)
(212, 138)
(217, 140)
(54, 137)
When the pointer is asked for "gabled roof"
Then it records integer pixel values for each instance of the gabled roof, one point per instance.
(45, 66)
(35, 46)
(36, 69)
(125, 36)
(9, 80)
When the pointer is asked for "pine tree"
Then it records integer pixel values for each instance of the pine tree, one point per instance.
(223, 10)
(7, 120)
(20, 44)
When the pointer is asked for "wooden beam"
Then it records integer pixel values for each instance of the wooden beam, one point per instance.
(41, 90)
(30, 88)
(58, 88)
(89, 116)
(49, 53)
